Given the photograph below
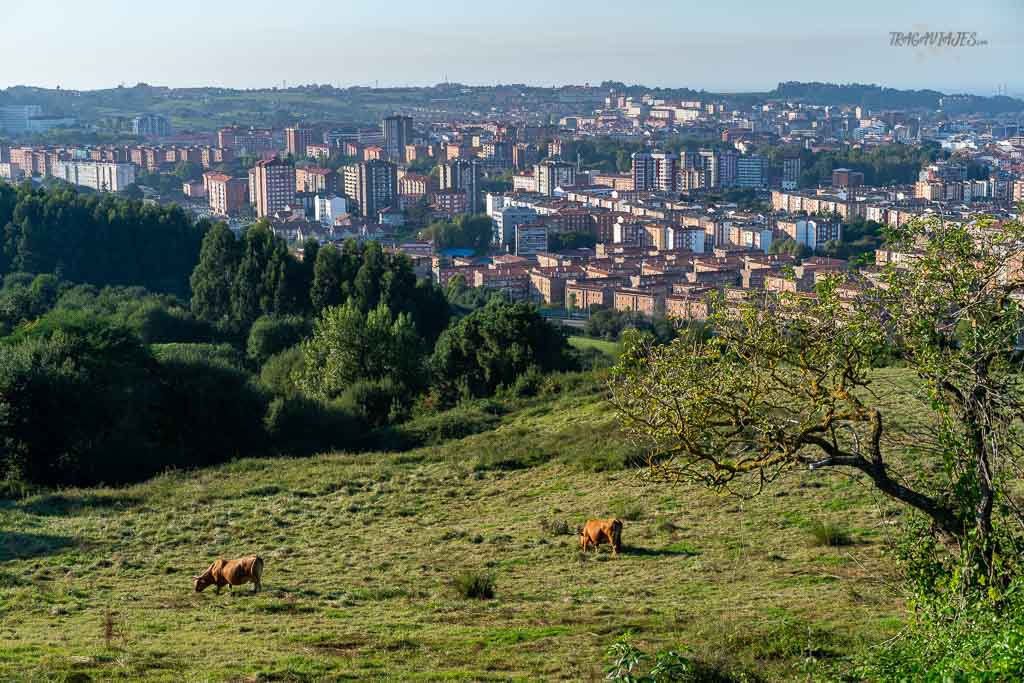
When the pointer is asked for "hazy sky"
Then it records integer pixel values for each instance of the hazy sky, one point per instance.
(712, 44)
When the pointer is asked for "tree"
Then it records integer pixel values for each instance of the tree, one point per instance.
(270, 336)
(349, 346)
(789, 384)
(264, 281)
(214, 275)
(493, 345)
(326, 289)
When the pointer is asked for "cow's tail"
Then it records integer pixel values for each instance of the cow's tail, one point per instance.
(257, 568)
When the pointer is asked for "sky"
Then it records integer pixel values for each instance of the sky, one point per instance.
(718, 45)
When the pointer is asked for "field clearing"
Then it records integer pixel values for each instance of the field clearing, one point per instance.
(360, 551)
(609, 348)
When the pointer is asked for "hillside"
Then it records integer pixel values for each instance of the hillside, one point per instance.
(360, 549)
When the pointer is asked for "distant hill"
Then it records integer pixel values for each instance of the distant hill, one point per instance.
(878, 97)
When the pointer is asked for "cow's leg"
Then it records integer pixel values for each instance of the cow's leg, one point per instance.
(217, 590)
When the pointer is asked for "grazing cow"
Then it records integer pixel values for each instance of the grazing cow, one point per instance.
(231, 573)
(598, 531)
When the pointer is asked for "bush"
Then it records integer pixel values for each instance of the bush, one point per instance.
(978, 644)
(269, 336)
(278, 375)
(297, 425)
(435, 429)
(221, 354)
(376, 402)
(829, 534)
(556, 527)
(473, 585)
(155, 323)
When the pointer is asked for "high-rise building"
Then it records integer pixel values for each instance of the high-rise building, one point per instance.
(296, 140)
(727, 168)
(505, 221)
(151, 125)
(273, 186)
(397, 134)
(792, 167)
(752, 171)
(373, 185)
(463, 174)
(226, 195)
(551, 174)
(708, 160)
(655, 171)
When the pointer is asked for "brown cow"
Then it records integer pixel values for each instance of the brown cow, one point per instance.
(231, 573)
(598, 531)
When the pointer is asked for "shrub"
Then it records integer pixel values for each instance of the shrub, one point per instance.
(374, 401)
(556, 527)
(473, 585)
(278, 375)
(155, 323)
(271, 335)
(221, 354)
(829, 534)
(297, 425)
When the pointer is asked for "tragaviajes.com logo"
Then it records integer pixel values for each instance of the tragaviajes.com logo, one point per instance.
(935, 39)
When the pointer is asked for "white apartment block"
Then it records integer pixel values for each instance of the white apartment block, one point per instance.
(102, 176)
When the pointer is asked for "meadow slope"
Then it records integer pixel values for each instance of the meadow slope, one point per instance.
(360, 551)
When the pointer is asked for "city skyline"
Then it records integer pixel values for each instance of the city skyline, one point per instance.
(729, 47)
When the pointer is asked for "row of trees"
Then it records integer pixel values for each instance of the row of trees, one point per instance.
(98, 240)
(239, 279)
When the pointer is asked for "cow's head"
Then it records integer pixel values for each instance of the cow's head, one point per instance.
(202, 581)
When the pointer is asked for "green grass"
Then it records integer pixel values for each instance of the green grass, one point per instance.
(609, 348)
(361, 550)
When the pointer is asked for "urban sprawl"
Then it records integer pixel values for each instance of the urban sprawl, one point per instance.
(734, 213)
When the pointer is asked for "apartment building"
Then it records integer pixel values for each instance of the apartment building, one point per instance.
(102, 176)
(227, 196)
(272, 186)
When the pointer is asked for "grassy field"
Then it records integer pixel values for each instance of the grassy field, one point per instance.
(360, 551)
(609, 348)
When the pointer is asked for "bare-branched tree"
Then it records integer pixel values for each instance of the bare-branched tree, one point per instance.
(789, 382)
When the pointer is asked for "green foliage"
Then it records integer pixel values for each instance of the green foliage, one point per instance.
(349, 345)
(492, 346)
(368, 276)
(270, 336)
(626, 661)
(297, 425)
(788, 245)
(375, 401)
(214, 274)
(860, 240)
(465, 232)
(977, 644)
(829, 534)
(880, 164)
(280, 372)
(220, 354)
(570, 240)
(473, 585)
(99, 239)
(609, 324)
